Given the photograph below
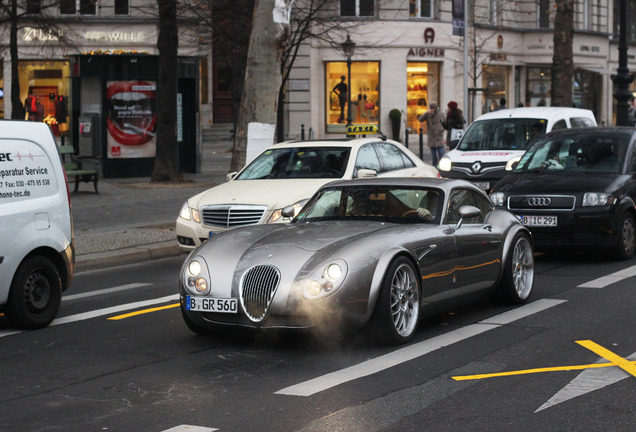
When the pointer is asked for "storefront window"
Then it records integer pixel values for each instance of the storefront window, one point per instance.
(495, 81)
(365, 94)
(587, 90)
(538, 87)
(44, 88)
(422, 88)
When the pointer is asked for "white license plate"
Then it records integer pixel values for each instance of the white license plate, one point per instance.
(539, 221)
(211, 304)
(482, 185)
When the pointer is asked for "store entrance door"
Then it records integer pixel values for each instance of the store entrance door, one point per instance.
(422, 81)
(222, 93)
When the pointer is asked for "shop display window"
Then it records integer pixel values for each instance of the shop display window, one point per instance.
(538, 87)
(365, 94)
(495, 81)
(422, 87)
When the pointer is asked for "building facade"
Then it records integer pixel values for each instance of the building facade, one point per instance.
(407, 56)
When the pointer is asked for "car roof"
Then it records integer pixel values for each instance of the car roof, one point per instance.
(440, 183)
(356, 142)
(548, 113)
(597, 130)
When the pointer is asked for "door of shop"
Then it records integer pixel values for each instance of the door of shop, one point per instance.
(186, 125)
(222, 93)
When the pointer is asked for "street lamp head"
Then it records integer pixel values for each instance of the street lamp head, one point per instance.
(348, 47)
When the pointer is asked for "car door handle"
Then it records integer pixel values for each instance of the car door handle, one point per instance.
(487, 227)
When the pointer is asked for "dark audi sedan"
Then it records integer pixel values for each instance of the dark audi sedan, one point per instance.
(576, 188)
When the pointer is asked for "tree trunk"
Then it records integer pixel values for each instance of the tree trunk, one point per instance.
(17, 107)
(562, 63)
(259, 100)
(166, 168)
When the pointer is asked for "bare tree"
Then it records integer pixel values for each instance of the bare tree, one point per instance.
(166, 168)
(562, 63)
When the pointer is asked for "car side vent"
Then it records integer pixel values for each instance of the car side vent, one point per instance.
(257, 289)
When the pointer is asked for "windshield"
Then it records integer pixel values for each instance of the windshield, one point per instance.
(377, 203)
(583, 152)
(502, 134)
(298, 162)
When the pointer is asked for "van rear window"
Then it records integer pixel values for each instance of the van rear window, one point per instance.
(502, 134)
(26, 172)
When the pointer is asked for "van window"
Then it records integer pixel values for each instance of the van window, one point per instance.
(26, 172)
(502, 134)
(561, 124)
(581, 122)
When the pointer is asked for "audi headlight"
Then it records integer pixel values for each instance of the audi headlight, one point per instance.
(595, 199)
(196, 277)
(325, 281)
(445, 164)
(278, 213)
(498, 199)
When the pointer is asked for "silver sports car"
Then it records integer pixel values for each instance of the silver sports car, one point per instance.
(376, 252)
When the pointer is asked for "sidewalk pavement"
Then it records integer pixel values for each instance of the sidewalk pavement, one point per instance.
(133, 220)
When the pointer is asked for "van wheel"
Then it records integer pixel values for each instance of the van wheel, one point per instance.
(36, 294)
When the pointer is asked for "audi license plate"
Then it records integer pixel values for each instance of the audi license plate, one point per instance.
(539, 221)
(211, 304)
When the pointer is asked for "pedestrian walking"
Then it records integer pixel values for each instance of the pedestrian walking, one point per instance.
(632, 112)
(434, 131)
(454, 121)
(502, 104)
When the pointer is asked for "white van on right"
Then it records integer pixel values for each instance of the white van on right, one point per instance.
(496, 140)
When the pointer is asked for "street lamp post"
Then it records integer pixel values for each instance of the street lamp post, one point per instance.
(348, 47)
(623, 78)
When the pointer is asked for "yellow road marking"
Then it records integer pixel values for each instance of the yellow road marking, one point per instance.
(145, 311)
(626, 365)
(614, 360)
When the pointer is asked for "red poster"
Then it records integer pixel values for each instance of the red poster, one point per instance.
(131, 119)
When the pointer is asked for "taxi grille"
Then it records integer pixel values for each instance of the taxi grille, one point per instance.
(257, 290)
(232, 216)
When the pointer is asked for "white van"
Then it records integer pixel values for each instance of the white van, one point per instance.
(37, 253)
(496, 140)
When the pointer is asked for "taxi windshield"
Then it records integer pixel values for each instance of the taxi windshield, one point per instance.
(298, 162)
(576, 153)
(502, 134)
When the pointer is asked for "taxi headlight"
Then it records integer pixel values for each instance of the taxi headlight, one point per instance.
(445, 164)
(278, 213)
(188, 213)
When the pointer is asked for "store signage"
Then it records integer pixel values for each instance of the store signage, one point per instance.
(429, 35)
(102, 36)
(30, 34)
(427, 52)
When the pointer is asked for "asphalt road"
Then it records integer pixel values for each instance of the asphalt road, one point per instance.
(119, 358)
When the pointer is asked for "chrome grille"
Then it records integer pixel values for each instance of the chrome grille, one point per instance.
(542, 202)
(257, 289)
(232, 216)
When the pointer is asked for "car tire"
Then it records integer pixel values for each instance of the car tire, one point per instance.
(397, 310)
(36, 294)
(518, 272)
(626, 238)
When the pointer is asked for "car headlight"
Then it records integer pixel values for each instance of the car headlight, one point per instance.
(278, 214)
(511, 162)
(196, 277)
(445, 164)
(498, 198)
(188, 213)
(325, 281)
(594, 199)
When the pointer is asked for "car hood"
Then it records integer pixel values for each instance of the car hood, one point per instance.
(562, 183)
(273, 193)
(469, 156)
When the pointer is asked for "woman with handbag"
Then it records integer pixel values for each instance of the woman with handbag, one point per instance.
(454, 120)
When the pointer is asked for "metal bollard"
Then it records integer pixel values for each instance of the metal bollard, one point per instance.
(302, 132)
(406, 137)
(421, 143)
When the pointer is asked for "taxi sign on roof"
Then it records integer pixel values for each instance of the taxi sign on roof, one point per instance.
(361, 129)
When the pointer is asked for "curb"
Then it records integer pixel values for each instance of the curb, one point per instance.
(131, 255)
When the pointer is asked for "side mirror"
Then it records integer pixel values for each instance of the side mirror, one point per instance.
(467, 212)
(365, 173)
(288, 212)
(230, 176)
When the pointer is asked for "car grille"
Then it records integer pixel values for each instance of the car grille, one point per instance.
(232, 216)
(481, 169)
(257, 290)
(541, 202)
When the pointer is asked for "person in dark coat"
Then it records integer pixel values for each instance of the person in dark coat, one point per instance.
(454, 120)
